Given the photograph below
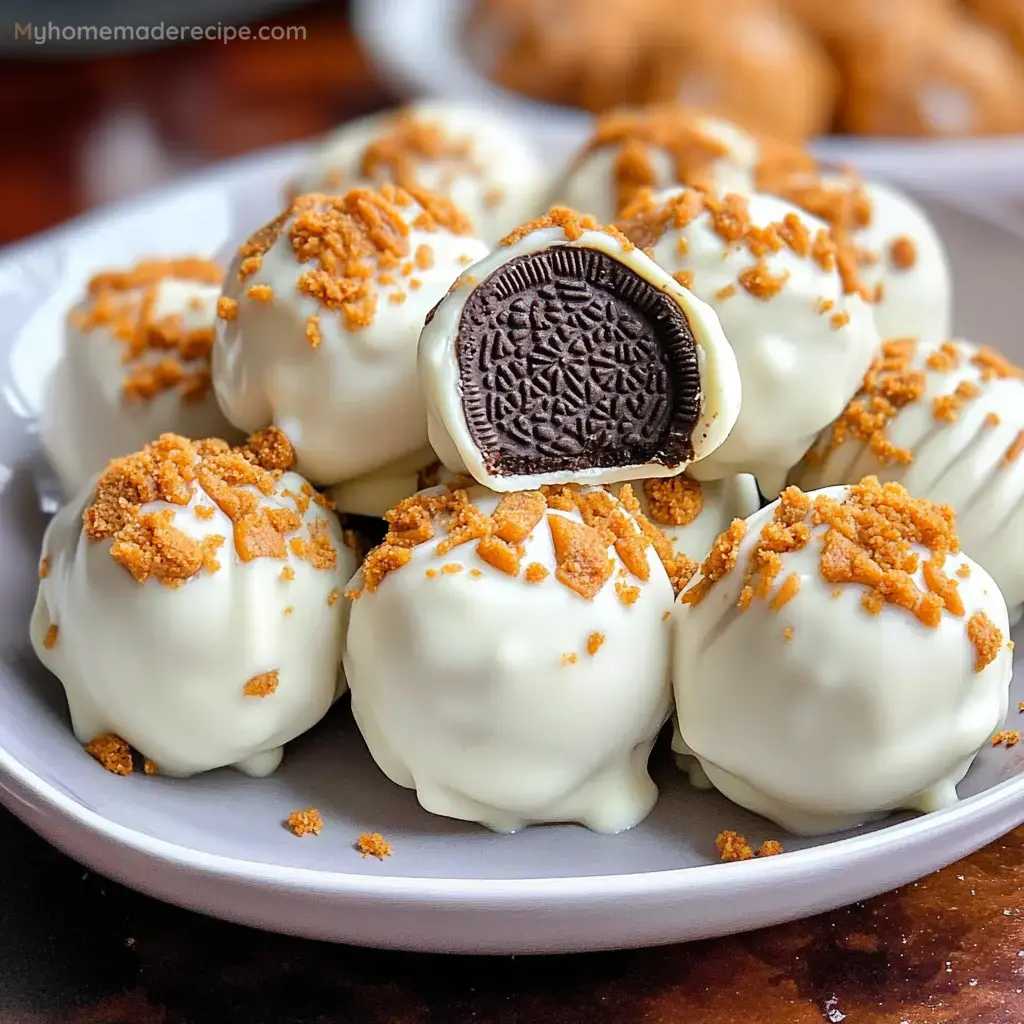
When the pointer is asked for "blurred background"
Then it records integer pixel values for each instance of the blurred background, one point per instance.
(922, 89)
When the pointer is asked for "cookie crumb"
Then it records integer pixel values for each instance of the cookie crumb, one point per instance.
(732, 846)
(903, 253)
(373, 844)
(44, 568)
(50, 640)
(570, 658)
(594, 642)
(112, 752)
(769, 848)
(332, 597)
(305, 823)
(787, 633)
(1007, 738)
(262, 685)
(150, 767)
(986, 638)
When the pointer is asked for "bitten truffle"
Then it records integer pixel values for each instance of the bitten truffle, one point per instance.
(167, 590)
(832, 662)
(568, 355)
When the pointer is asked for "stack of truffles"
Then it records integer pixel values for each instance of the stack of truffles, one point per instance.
(695, 442)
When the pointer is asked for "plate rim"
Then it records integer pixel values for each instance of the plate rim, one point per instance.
(972, 811)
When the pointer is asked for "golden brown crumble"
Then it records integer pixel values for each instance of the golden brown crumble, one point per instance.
(536, 573)
(581, 556)
(570, 658)
(517, 514)
(964, 571)
(50, 640)
(373, 844)
(684, 278)
(148, 544)
(769, 848)
(674, 501)
(890, 384)
(868, 542)
(262, 685)
(994, 365)
(594, 642)
(571, 223)
(112, 752)
(1013, 452)
(1007, 738)
(760, 282)
(227, 308)
(260, 292)
(123, 303)
(150, 767)
(732, 846)
(789, 589)
(44, 568)
(406, 141)
(499, 554)
(986, 638)
(627, 595)
(787, 633)
(839, 320)
(903, 253)
(305, 823)
(332, 597)
(348, 239)
(721, 560)
(287, 574)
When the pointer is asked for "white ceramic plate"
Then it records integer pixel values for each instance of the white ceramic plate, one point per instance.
(216, 843)
(416, 45)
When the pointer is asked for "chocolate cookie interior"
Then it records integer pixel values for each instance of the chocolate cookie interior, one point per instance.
(569, 360)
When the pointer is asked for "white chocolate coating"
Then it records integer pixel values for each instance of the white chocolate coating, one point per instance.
(797, 369)
(962, 463)
(448, 429)
(164, 668)
(590, 185)
(734, 497)
(352, 405)
(462, 691)
(916, 302)
(853, 716)
(374, 493)
(499, 181)
(87, 420)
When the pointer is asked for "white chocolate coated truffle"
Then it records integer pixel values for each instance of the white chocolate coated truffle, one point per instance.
(916, 298)
(506, 701)
(692, 514)
(656, 147)
(801, 342)
(947, 422)
(580, 364)
(817, 703)
(467, 152)
(319, 321)
(135, 364)
(199, 638)
(374, 493)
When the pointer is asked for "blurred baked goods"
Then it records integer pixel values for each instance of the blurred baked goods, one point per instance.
(786, 68)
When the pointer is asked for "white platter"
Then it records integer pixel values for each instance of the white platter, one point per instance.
(415, 45)
(216, 844)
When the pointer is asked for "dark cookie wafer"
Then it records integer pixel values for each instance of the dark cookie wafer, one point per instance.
(569, 360)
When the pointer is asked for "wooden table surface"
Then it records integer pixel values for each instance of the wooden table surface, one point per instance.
(77, 949)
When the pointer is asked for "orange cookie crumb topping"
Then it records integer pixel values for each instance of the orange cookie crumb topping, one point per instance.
(594, 642)
(161, 353)
(903, 253)
(262, 685)
(1008, 738)
(373, 844)
(112, 752)
(732, 846)
(986, 638)
(305, 823)
(347, 240)
(149, 545)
